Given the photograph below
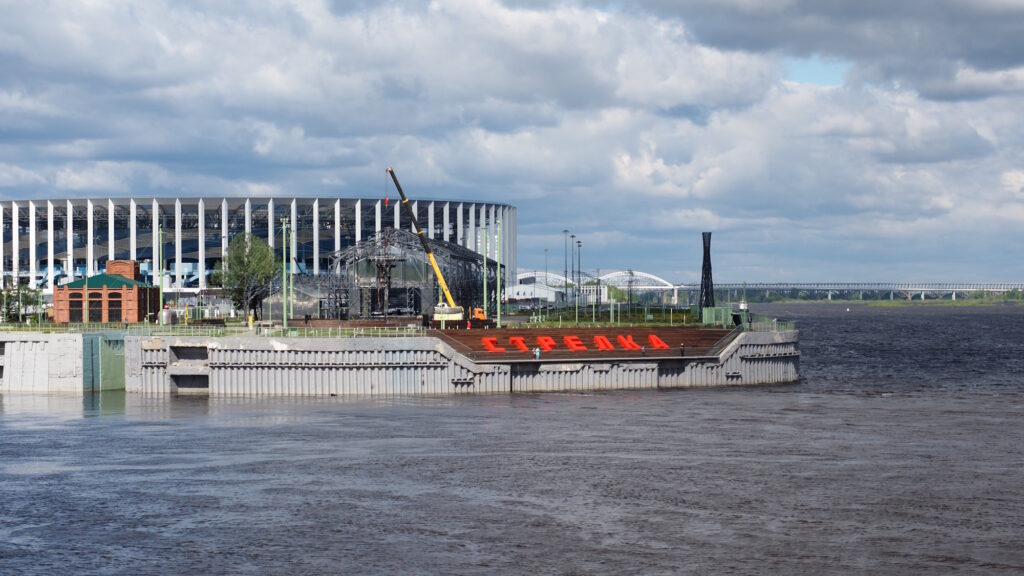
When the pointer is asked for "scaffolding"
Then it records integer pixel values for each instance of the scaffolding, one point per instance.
(389, 274)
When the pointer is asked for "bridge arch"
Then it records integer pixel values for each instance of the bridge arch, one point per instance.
(636, 279)
(551, 280)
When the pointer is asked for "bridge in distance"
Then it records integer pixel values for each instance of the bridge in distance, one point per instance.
(645, 282)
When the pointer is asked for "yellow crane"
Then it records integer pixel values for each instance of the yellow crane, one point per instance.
(449, 312)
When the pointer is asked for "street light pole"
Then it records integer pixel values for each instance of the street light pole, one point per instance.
(497, 252)
(565, 271)
(572, 265)
(579, 278)
(545, 283)
(284, 273)
(159, 265)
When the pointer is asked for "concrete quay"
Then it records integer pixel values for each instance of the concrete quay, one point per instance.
(430, 364)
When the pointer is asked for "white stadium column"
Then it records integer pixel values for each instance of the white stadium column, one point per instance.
(337, 227)
(430, 220)
(398, 206)
(492, 230)
(14, 243)
(69, 236)
(489, 244)
(471, 230)
(271, 228)
(416, 212)
(133, 243)
(224, 234)
(447, 223)
(459, 234)
(248, 216)
(376, 220)
(202, 243)
(89, 237)
(337, 223)
(156, 271)
(177, 243)
(294, 241)
(316, 236)
(32, 264)
(2, 240)
(49, 247)
(110, 229)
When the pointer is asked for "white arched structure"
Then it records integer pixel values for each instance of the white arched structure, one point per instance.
(636, 280)
(553, 280)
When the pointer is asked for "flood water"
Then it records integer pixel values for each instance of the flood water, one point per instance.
(901, 451)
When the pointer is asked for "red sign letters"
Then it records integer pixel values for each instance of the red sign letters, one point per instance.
(573, 343)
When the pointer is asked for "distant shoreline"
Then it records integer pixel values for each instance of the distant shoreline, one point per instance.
(903, 303)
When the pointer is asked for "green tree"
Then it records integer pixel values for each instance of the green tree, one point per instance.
(18, 302)
(250, 272)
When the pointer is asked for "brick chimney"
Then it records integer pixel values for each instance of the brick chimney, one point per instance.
(125, 268)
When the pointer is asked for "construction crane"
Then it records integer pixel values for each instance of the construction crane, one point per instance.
(449, 312)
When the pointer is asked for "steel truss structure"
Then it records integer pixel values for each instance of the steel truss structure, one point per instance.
(389, 273)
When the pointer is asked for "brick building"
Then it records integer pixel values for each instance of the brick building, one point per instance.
(116, 296)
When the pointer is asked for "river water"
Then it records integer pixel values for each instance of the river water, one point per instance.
(901, 451)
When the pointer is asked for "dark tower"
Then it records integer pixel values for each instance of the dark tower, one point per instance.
(707, 287)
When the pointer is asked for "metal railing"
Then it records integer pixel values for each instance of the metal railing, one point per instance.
(761, 324)
(212, 331)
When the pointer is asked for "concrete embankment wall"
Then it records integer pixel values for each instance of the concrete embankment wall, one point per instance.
(255, 366)
(61, 363)
(40, 363)
(751, 358)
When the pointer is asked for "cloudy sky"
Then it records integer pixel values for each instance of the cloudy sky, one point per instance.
(818, 139)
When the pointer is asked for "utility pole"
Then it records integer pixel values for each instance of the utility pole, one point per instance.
(85, 297)
(565, 271)
(291, 275)
(572, 266)
(159, 264)
(497, 252)
(484, 234)
(284, 273)
(579, 278)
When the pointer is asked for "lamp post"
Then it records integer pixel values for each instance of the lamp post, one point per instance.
(284, 273)
(565, 271)
(497, 253)
(159, 266)
(572, 265)
(483, 232)
(545, 283)
(579, 278)
(85, 297)
(149, 264)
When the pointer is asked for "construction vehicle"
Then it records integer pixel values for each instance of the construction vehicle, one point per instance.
(442, 311)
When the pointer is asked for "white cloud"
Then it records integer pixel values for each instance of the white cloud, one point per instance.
(100, 177)
(636, 129)
(1013, 182)
(11, 176)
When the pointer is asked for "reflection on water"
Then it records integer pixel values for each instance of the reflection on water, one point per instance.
(901, 452)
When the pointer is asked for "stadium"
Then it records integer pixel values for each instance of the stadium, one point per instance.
(354, 243)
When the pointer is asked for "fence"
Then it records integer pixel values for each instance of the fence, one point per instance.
(230, 330)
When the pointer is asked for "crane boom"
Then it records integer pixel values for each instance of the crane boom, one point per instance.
(453, 312)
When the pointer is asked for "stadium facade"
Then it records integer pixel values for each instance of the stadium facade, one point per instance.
(50, 242)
